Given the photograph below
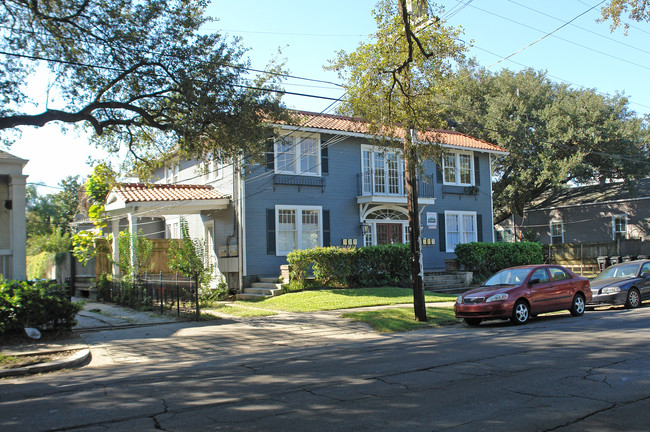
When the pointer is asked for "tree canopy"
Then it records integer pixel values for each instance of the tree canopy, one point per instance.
(556, 135)
(140, 73)
(615, 10)
(48, 213)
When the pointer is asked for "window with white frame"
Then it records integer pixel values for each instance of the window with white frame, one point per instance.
(212, 169)
(298, 154)
(619, 227)
(298, 227)
(460, 227)
(458, 168)
(557, 232)
(382, 171)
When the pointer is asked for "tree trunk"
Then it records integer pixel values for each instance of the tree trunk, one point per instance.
(410, 164)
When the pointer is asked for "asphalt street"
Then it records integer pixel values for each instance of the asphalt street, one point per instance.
(313, 372)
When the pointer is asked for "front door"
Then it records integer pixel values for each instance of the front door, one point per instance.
(388, 233)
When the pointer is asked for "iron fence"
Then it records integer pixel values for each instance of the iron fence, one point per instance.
(158, 292)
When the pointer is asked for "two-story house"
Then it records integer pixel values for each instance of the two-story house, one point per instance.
(323, 183)
(13, 231)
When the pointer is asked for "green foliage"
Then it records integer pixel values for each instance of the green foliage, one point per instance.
(488, 258)
(97, 187)
(48, 214)
(188, 257)
(54, 242)
(142, 251)
(39, 264)
(637, 10)
(350, 267)
(144, 75)
(103, 285)
(42, 304)
(554, 134)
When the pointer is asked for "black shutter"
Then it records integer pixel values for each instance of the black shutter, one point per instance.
(270, 155)
(442, 235)
(327, 236)
(270, 231)
(324, 159)
(477, 171)
(479, 227)
(438, 173)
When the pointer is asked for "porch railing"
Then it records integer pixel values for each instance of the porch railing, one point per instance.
(388, 183)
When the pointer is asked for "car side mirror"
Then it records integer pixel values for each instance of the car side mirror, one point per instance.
(645, 275)
(534, 281)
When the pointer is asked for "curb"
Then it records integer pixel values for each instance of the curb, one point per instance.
(75, 360)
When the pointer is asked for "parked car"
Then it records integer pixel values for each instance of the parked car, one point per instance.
(518, 293)
(626, 284)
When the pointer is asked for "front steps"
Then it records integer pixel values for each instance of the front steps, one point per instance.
(266, 287)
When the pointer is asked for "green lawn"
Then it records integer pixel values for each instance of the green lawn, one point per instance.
(401, 319)
(329, 299)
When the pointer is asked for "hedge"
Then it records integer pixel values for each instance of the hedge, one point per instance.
(384, 265)
(42, 304)
(488, 258)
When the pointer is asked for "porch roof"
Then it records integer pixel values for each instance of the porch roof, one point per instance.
(164, 199)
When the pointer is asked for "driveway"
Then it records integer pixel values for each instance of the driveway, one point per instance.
(324, 373)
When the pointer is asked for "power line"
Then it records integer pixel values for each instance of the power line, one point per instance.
(546, 35)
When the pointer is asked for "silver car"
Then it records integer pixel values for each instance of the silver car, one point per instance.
(626, 284)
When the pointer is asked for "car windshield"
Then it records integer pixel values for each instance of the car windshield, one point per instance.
(508, 277)
(619, 271)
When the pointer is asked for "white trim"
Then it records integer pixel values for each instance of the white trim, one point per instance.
(614, 217)
(298, 209)
(550, 225)
(491, 199)
(460, 227)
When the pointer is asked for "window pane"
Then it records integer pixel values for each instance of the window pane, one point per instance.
(285, 158)
(308, 155)
(468, 229)
(287, 230)
(310, 230)
(367, 172)
(380, 173)
(393, 175)
(453, 234)
(465, 168)
(449, 167)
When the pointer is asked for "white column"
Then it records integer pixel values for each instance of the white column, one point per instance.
(115, 228)
(18, 226)
(133, 229)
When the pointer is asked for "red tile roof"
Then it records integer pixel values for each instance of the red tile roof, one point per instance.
(349, 124)
(140, 192)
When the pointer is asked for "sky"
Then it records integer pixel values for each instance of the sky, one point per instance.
(559, 37)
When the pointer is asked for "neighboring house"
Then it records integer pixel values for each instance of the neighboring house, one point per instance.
(13, 231)
(596, 213)
(323, 183)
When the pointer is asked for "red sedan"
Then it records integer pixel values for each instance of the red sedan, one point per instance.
(517, 293)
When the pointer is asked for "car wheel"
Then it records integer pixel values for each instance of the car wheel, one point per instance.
(473, 321)
(578, 305)
(633, 299)
(520, 313)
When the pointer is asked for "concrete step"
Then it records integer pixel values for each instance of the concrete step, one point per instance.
(268, 285)
(263, 291)
(246, 296)
(269, 279)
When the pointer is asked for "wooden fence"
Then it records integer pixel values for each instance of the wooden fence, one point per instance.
(582, 258)
(159, 257)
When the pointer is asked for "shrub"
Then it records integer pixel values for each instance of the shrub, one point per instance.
(488, 258)
(39, 265)
(349, 267)
(42, 304)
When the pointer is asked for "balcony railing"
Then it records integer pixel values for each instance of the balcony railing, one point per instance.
(387, 183)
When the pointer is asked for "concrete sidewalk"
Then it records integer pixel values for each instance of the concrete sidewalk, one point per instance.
(98, 315)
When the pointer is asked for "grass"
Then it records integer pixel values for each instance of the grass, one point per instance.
(329, 299)
(240, 311)
(401, 319)
(8, 361)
